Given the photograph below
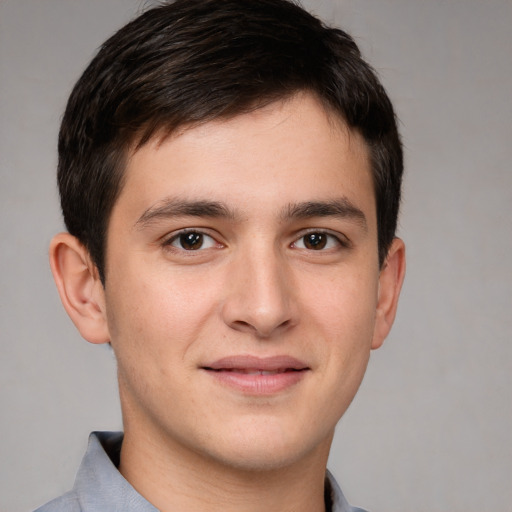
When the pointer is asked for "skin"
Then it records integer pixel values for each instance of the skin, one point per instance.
(256, 286)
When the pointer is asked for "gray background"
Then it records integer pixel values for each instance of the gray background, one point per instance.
(431, 429)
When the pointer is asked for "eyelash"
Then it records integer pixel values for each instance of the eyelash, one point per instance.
(340, 241)
(168, 243)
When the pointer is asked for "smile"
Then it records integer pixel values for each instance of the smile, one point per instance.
(246, 371)
(257, 376)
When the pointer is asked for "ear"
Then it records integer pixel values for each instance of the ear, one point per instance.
(79, 286)
(390, 283)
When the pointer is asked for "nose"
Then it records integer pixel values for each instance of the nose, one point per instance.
(260, 296)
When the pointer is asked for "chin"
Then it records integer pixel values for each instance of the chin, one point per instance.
(267, 449)
(252, 460)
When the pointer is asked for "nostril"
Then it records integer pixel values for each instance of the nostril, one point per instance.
(259, 330)
(241, 323)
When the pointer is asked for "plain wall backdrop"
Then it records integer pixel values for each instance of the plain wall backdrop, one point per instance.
(431, 428)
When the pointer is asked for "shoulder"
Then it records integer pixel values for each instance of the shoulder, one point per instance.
(335, 499)
(65, 503)
(97, 478)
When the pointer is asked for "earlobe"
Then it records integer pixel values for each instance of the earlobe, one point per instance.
(79, 286)
(390, 283)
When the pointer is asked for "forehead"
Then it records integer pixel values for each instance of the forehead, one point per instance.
(286, 152)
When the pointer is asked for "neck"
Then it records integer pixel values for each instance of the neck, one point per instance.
(172, 477)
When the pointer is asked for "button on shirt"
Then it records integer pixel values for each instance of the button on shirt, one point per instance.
(99, 487)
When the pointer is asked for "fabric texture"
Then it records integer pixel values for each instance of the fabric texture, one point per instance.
(100, 487)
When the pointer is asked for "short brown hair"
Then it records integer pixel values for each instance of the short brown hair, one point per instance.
(191, 61)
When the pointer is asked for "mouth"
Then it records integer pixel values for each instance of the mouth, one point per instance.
(255, 375)
(248, 371)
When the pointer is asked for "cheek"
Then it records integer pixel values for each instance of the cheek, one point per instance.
(343, 305)
(154, 315)
(341, 317)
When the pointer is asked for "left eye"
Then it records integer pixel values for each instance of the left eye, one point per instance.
(317, 241)
(192, 241)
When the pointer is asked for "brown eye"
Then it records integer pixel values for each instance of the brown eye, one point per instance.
(318, 241)
(192, 241)
(315, 241)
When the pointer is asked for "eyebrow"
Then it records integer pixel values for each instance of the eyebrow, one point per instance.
(342, 208)
(172, 207)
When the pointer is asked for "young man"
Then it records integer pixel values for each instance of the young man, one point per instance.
(230, 177)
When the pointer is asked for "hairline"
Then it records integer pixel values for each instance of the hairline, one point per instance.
(144, 135)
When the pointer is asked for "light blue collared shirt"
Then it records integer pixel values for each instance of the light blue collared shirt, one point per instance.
(99, 487)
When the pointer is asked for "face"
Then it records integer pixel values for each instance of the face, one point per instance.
(242, 285)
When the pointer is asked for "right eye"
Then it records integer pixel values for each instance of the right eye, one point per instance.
(191, 241)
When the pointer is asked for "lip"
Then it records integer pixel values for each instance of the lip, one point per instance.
(257, 375)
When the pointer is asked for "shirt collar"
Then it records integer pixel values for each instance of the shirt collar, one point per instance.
(99, 485)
